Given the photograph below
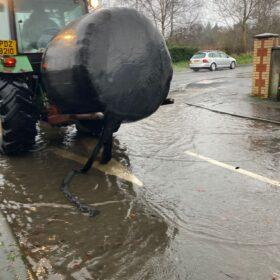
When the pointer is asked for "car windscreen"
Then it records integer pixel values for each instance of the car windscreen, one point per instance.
(199, 55)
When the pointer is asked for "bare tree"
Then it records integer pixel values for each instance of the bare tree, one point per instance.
(159, 10)
(184, 13)
(265, 14)
(238, 12)
(167, 14)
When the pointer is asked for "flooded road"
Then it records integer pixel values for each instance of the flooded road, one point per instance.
(191, 194)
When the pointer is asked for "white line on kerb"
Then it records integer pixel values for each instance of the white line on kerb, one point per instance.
(233, 168)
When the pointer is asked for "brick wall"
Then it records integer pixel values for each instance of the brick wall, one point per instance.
(263, 45)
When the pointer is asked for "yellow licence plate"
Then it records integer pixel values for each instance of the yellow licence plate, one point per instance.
(8, 47)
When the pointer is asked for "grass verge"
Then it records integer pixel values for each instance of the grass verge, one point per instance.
(181, 65)
(245, 58)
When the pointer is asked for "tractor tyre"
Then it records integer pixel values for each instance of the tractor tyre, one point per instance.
(18, 117)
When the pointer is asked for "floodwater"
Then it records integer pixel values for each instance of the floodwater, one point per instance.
(164, 213)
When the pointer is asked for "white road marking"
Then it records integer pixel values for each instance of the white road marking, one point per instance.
(233, 168)
(112, 168)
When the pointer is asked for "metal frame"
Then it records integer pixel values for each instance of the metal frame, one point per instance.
(12, 20)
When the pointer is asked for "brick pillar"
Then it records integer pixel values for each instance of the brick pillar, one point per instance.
(263, 45)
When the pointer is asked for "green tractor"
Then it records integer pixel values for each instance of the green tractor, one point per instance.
(64, 67)
(27, 26)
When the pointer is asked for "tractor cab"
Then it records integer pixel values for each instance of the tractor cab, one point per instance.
(27, 26)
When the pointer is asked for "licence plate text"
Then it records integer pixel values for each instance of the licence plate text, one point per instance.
(8, 47)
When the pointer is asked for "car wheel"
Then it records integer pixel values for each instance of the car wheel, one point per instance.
(213, 67)
(195, 70)
(232, 65)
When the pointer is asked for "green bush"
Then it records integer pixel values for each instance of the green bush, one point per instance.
(245, 58)
(181, 53)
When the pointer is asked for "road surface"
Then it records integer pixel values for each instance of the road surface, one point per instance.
(191, 193)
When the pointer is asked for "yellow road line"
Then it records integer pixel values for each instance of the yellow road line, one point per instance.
(233, 168)
(112, 168)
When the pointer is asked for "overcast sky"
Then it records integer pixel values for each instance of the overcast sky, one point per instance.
(210, 15)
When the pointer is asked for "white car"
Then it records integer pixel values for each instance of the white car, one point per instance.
(211, 60)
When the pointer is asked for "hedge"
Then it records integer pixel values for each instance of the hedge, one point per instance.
(179, 53)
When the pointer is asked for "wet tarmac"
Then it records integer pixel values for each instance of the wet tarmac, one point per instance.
(191, 194)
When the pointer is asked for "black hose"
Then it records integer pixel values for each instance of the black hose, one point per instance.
(65, 186)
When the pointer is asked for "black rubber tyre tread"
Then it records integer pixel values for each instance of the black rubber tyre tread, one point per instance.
(22, 117)
(18, 117)
(9, 135)
(4, 84)
(232, 65)
(216, 67)
(19, 99)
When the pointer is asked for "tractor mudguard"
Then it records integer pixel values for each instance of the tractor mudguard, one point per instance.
(22, 66)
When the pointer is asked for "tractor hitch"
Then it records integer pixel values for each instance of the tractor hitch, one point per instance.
(63, 119)
(168, 101)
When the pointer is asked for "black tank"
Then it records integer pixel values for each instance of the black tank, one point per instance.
(112, 60)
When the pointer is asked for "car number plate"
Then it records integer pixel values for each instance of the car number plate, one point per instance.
(8, 47)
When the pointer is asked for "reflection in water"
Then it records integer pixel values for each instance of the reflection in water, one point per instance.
(226, 221)
(62, 243)
(268, 143)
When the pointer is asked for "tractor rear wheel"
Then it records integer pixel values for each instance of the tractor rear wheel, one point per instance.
(18, 117)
